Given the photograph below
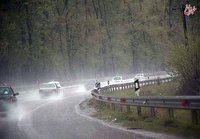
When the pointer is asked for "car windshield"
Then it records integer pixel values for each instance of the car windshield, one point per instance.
(4, 91)
(47, 85)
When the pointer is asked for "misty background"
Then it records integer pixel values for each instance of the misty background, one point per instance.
(67, 40)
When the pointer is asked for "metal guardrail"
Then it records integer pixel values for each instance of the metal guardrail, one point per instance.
(130, 85)
(178, 102)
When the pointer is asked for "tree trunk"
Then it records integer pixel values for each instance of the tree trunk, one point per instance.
(141, 1)
(29, 26)
(70, 52)
(95, 9)
(170, 13)
(184, 26)
(62, 54)
(99, 7)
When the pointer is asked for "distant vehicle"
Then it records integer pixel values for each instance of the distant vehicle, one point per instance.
(7, 98)
(140, 77)
(51, 88)
(117, 79)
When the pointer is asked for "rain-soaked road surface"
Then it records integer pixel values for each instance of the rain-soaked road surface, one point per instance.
(57, 118)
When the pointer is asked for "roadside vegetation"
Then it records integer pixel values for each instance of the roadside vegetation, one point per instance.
(184, 61)
(180, 125)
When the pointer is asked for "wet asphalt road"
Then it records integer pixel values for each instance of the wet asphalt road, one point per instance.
(56, 118)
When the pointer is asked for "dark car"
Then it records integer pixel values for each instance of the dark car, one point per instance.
(7, 98)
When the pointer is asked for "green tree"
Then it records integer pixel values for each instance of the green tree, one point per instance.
(184, 62)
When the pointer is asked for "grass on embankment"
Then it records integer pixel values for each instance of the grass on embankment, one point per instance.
(181, 125)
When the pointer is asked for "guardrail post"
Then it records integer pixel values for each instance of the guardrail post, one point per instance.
(113, 106)
(171, 113)
(153, 113)
(194, 117)
(121, 108)
(158, 81)
(128, 108)
(100, 103)
(139, 111)
(108, 105)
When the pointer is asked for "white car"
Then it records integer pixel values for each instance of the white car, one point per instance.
(140, 77)
(117, 80)
(50, 88)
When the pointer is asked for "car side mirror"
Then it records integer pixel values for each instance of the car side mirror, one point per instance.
(16, 94)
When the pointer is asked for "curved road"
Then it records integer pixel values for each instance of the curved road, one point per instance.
(57, 118)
